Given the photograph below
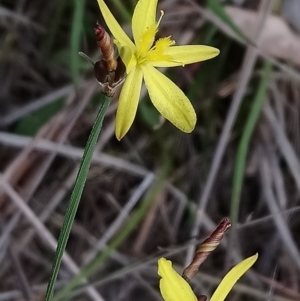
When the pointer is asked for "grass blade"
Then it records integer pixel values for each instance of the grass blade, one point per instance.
(218, 9)
(123, 9)
(76, 195)
(244, 143)
(54, 27)
(77, 26)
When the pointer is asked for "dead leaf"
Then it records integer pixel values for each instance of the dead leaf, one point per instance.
(277, 39)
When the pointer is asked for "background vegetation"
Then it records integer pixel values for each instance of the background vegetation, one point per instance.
(158, 192)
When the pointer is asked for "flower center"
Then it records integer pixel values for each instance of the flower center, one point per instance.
(147, 49)
(145, 53)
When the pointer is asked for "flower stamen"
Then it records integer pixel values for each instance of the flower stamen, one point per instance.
(160, 18)
(147, 39)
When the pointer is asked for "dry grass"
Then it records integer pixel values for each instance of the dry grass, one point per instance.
(45, 121)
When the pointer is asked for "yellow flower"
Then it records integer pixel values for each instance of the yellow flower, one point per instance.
(174, 288)
(141, 57)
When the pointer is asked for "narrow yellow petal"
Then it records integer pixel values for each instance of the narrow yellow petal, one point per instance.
(143, 18)
(232, 277)
(127, 56)
(169, 100)
(114, 27)
(128, 102)
(182, 55)
(172, 286)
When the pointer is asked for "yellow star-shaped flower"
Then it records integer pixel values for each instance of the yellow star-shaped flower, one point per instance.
(141, 58)
(174, 288)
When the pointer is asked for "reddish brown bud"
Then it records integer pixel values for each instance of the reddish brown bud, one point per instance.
(202, 298)
(106, 46)
(208, 245)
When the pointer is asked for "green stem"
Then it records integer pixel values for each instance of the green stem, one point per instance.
(76, 195)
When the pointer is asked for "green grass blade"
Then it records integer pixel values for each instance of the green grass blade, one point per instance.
(133, 222)
(76, 195)
(244, 143)
(77, 26)
(29, 125)
(123, 10)
(218, 9)
(55, 25)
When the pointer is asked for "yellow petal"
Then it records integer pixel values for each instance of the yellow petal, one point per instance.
(143, 18)
(172, 286)
(128, 57)
(232, 277)
(114, 27)
(169, 100)
(182, 55)
(128, 102)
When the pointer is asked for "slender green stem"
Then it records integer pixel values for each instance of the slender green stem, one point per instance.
(76, 195)
(244, 143)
